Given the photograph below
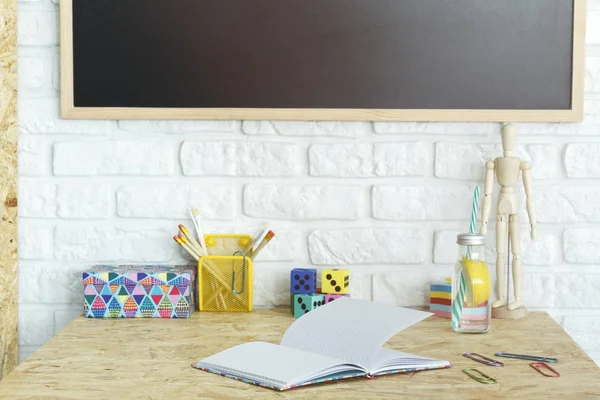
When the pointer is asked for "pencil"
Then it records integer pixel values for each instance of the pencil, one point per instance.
(186, 248)
(187, 243)
(193, 243)
(265, 241)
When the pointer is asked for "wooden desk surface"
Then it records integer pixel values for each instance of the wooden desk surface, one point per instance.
(150, 359)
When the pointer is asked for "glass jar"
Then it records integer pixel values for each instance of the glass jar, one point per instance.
(471, 287)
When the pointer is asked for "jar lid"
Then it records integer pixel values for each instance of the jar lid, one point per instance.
(466, 239)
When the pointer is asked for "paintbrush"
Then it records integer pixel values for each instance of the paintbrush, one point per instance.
(198, 225)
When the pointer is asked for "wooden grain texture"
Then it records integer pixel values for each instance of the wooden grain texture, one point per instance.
(8, 187)
(151, 359)
(69, 111)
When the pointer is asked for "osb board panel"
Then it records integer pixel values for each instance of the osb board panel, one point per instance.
(8, 187)
(151, 359)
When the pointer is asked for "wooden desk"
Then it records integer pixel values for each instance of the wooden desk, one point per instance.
(150, 359)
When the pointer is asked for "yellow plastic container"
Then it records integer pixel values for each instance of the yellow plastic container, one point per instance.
(225, 281)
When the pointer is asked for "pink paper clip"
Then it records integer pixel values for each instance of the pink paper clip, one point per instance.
(538, 366)
(483, 359)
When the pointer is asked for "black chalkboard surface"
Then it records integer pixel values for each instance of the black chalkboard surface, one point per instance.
(511, 55)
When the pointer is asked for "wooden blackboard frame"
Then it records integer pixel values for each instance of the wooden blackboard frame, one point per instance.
(575, 114)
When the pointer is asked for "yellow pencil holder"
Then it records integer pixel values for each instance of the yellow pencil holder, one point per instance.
(225, 281)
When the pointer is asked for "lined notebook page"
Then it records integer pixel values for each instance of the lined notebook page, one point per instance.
(269, 363)
(350, 329)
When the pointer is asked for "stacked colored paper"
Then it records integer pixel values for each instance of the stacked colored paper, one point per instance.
(440, 302)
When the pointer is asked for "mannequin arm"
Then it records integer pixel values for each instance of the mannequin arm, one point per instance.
(488, 190)
(526, 168)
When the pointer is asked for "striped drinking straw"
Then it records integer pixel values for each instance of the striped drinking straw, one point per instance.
(457, 303)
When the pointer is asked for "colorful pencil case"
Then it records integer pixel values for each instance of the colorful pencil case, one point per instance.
(139, 291)
(225, 281)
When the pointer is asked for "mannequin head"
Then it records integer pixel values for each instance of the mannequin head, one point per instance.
(509, 140)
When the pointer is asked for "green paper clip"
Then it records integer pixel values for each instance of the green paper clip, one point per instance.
(479, 376)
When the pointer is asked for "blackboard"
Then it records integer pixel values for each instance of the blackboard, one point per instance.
(475, 59)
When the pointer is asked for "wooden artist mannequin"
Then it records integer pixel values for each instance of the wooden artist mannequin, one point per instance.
(507, 170)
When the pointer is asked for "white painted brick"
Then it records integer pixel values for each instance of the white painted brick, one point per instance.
(539, 290)
(53, 283)
(403, 286)
(467, 161)
(367, 246)
(56, 70)
(260, 127)
(590, 125)
(445, 249)
(419, 203)
(582, 246)
(176, 126)
(241, 159)
(42, 116)
(34, 156)
(37, 28)
(592, 74)
(37, 200)
(83, 201)
(176, 201)
(44, 200)
(35, 242)
(271, 287)
(584, 330)
(31, 1)
(463, 160)
(442, 128)
(361, 285)
(563, 291)
(578, 291)
(582, 160)
(546, 250)
(400, 159)
(307, 128)
(545, 160)
(367, 160)
(304, 202)
(567, 203)
(110, 157)
(592, 5)
(593, 27)
(26, 351)
(35, 71)
(36, 324)
(62, 318)
(344, 160)
(287, 245)
(113, 244)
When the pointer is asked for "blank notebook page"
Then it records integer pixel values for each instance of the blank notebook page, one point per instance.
(350, 329)
(268, 363)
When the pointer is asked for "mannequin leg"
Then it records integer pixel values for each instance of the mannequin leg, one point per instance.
(514, 230)
(501, 225)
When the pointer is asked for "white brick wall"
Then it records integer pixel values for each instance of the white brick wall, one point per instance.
(385, 199)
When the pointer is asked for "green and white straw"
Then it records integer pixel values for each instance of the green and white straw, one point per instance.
(473, 223)
(457, 303)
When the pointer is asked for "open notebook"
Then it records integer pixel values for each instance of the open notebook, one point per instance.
(342, 339)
